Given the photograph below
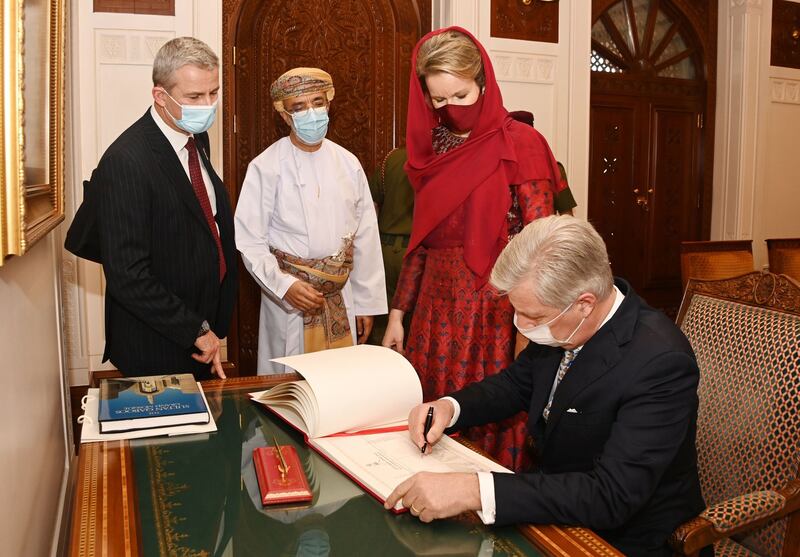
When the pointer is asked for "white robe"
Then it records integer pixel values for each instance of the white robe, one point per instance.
(305, 204)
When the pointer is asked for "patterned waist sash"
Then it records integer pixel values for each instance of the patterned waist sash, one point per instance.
(328, 326)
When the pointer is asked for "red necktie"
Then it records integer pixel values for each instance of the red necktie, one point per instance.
(202, 196)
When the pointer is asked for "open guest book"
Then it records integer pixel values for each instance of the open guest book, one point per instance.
(352, 407)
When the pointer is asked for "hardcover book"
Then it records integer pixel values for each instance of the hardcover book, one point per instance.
(130, 403)
(281, 478)
(352, 407)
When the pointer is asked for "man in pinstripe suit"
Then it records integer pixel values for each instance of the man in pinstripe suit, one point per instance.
(165, 226)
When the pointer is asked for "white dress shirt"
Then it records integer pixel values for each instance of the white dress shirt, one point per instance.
(178, 141)
(488, 511)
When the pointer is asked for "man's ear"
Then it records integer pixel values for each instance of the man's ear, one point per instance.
(587, 301)
(159, 97)
(286, 118)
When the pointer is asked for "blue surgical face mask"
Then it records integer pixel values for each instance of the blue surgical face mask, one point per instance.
(194, 118)
(311, 125)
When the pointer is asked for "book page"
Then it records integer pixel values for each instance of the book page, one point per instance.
(380, 462)
(356, 387)
(294, 399)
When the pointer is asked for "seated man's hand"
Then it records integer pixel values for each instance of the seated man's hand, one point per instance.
(442, 414)
(303, 296)
(209, 348)
(429, 495)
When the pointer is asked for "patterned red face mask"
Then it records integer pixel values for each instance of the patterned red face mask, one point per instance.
(459, 117)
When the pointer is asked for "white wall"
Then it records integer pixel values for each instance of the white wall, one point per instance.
(113, 57)
(756, 174)
(550, 80)
(35, 445)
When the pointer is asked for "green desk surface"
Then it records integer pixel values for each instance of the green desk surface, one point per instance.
(198, 495)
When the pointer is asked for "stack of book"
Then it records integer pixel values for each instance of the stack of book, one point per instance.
(132, 407)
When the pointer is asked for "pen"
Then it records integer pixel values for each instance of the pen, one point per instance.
(282, 467)
(428, 422)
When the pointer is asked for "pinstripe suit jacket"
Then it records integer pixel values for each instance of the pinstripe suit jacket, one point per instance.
(159, 257)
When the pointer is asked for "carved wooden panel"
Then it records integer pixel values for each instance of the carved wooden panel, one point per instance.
(614, 156)
(365, 46)
(785, 49)
(527, 20)
(152, 7)
(657, 59)
(674, 180)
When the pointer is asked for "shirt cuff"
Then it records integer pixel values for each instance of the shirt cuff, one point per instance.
(456, 410)
(282, 283)
(488, 510)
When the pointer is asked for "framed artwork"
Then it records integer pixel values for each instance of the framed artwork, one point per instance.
(32, 115)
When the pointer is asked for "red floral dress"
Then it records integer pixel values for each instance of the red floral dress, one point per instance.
(459, 335)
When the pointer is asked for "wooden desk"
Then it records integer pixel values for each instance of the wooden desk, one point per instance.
(111, 516)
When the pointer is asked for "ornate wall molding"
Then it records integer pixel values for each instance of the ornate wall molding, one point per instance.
(527, 68)
(124, 46)
(748, 5)
(785, 90)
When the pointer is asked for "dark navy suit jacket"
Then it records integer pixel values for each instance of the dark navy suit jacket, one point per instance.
(618, 452)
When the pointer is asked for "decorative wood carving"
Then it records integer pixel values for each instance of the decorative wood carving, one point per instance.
(785, 50)
(767, 290)
(365, 46)
(527, 20)
(649, 203)
(151, 7)
(640, 86)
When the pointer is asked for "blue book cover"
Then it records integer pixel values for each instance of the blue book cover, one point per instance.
(128, 398)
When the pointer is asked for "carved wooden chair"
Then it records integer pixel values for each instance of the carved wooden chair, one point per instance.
(745, 332)
(715, 260)
(784, 257)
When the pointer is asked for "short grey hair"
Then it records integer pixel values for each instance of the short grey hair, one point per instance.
(178, 52)
(562, 256)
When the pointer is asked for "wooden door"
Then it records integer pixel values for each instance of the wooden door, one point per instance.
(366, 47)
(650, 143)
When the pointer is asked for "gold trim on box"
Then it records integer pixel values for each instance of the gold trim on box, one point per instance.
(19, 227)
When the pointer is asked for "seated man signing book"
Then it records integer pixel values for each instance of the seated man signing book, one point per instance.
(610, 385)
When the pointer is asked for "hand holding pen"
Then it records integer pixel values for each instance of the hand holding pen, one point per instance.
(427, 422)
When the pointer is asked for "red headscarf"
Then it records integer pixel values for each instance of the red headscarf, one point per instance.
(498, 152)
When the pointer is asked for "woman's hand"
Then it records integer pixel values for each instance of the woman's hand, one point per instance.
(393, 337)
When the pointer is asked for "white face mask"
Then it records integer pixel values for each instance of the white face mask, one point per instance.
(541, 334)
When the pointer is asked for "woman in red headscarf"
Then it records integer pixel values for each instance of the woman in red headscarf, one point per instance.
(479, 177)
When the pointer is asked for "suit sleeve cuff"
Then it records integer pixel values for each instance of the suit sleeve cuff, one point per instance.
(488, 512)
(456, 410)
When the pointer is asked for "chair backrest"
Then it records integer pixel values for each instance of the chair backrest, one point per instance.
(745, 333)
(715, 260)
(784, 256)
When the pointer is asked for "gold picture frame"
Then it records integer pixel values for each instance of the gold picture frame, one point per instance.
(32, 116)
